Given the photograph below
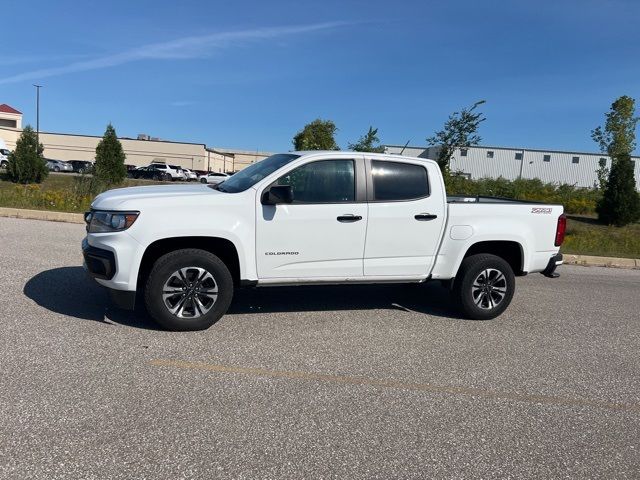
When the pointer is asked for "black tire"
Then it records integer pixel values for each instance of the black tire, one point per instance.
(164, 271)
(203, 180)
(56, 169)
(4, 164)
(484, 300)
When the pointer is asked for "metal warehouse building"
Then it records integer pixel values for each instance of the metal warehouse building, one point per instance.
(552, 166)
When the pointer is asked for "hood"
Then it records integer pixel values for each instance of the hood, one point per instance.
(132, 197)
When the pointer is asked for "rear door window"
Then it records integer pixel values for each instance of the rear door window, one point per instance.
(396, 181)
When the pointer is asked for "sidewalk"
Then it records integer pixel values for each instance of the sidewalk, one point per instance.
(591, 261)
(42, 215)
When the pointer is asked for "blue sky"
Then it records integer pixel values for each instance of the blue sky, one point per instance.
(249, 75)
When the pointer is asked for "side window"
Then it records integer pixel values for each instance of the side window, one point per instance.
(325, 181)
(398, 181)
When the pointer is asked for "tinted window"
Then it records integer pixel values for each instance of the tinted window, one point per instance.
(398, 181)
(463, 152)
(490, 154)
(519, 156)
(251, 175)
(326, 181)
(546, 158)
(575, 160)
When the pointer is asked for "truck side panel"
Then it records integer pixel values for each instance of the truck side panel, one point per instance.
(531, 226)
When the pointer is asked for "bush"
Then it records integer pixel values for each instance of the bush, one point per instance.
(26, 164)
(109, 167)
(620, 204)
(575, 199)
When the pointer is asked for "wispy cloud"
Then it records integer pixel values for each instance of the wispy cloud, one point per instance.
(9, 60)
(180, 49)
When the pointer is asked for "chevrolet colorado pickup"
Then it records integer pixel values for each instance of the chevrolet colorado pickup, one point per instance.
(313, 218)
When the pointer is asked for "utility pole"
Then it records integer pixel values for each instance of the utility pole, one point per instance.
(37, 116)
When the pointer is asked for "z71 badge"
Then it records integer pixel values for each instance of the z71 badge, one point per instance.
(541, 210)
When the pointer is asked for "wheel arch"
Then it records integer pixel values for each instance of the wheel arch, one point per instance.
(509, 250)
(221, 247)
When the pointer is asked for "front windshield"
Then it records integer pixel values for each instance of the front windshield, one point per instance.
(251, 175)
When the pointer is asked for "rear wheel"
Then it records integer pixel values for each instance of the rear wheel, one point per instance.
(203, 180)
(484, 286)
(188, 289)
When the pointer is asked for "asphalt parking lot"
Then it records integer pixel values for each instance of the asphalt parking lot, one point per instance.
(316, 382)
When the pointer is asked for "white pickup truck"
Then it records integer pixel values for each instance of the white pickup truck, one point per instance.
(313, 218)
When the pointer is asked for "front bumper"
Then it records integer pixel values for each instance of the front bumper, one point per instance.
(554, 262)
(99, 263)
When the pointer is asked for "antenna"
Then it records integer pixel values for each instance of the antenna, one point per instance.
(405, 146)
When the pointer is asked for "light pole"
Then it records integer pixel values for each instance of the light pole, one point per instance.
(37, 116)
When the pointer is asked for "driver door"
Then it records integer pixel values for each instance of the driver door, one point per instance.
(321, 234)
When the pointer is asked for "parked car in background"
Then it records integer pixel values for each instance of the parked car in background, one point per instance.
(149, 173)
(173, 170)
(59, 166)
(81, 166)
(4, 157)
(213, 178)
(130, 167)
(190, 175)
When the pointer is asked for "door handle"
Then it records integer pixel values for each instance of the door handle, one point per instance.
(423, 217)
(349, 218)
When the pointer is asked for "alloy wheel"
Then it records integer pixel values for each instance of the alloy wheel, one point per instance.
(489, 288)
(190, 292)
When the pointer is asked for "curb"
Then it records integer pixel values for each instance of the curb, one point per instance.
(42, 215)
(592, 261)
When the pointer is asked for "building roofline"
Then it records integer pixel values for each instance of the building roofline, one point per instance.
(227, 151)
(517, 149)
(4, 108)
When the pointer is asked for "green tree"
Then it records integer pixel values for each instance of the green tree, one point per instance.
(369, 142)
(26, 164)
(620, 203)
(317, 135)
(459, 131)
(109, 167)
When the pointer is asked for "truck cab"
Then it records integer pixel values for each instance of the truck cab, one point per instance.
(313, 218)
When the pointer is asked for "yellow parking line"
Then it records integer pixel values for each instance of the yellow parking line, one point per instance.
(399, 385)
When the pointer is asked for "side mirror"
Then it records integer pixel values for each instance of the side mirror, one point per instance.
(278, 194)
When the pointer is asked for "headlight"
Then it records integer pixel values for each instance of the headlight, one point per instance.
(101, 222)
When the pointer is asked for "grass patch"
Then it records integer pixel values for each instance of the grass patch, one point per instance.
(60, 193)
(585, 236)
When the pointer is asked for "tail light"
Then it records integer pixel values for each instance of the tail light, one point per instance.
(561, 229)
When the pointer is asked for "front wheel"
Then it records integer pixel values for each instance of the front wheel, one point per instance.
(484, 286)
(188, 289)
(203, 180)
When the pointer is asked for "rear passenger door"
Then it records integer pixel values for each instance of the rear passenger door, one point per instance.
(405, 220)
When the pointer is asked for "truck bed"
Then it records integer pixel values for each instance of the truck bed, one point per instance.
(486, 199)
